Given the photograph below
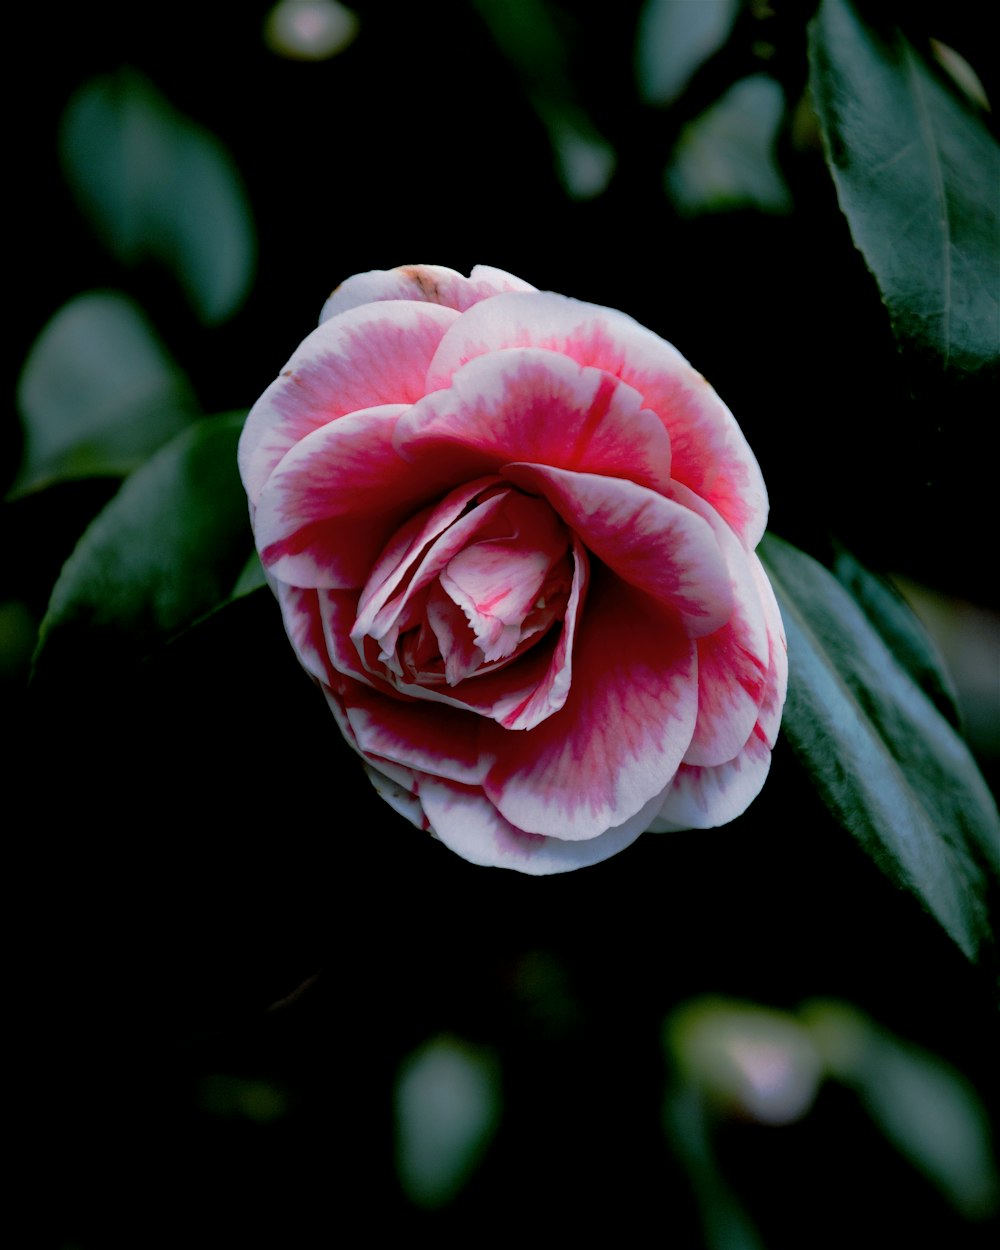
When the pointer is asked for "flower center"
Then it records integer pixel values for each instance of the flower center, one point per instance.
(472, 592)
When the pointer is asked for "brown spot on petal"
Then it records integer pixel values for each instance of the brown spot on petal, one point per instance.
(427, 284)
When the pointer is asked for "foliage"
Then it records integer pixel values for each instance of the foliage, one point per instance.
(804, 199)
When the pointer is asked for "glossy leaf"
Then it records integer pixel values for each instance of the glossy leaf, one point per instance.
(98, 394)
(157, 185)
(166, 550)
(917, 174)
(887, 763)
(901, 631)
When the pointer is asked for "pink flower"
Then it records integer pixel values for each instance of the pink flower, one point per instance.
(512, 536)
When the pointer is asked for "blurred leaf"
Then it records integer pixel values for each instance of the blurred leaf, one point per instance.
(675, 38)
(166, 550)
(917, 174)
(98, 393)
(886, 762)
(901, 631)
(724, 159)
(584, 160)
(158, 185)
(447, 1109)
(529, 36)
(926, 1109)
(258, 1101)
(726, 1224)
(760, 1064)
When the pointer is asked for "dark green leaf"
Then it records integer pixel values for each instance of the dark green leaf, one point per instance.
(886, 762)
(917, 174)
(166, 550)
(528, 34)
(98, 394)
(251, 577)
(901, 631)
(157, 185)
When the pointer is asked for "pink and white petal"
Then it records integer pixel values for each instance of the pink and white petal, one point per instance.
(708, 450)
(733, 662)
(650, 541)
(492, 281)
(370, 356)
(420, 735)
(521, 695)
(622, 733)
(466, 822)
(703, 798)
(433, 284)
(300, 611)
(538, 406)
(338, 609)
(378, 611)
(409, 544)
(330, 507)
(395, 784)
(777, 675)
(398, 795)
(497, 581)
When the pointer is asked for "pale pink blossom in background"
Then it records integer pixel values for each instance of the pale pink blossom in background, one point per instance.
(512, 536)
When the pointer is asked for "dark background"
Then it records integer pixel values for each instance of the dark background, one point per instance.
(197, 842)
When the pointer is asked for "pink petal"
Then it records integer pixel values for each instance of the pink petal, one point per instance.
(709, 452)
(777, 677)
(522, 694)
(300, 612)
(733, 662)
(622, 732)
(395, 784)
(497, 580)
(398, 796)
(538, 406)
(337, 497)
(428, 737)
(416, 556)
(702, 798)
(368, 357)
(466, 822)
(651, 542)
(338, 612)
(425, 283)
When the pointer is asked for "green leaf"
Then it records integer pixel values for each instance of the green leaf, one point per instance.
(917, 174)
(529, 35)
(165, 551)
(675, 38)
(251, 578)
(725, 160)
(901, 631)
(924, 1107)
(887, 763)
(725, 1222)
(157, 185)
(98, 394)
(447, 1110)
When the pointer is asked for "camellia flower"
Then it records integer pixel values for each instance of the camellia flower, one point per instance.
(512, 536)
